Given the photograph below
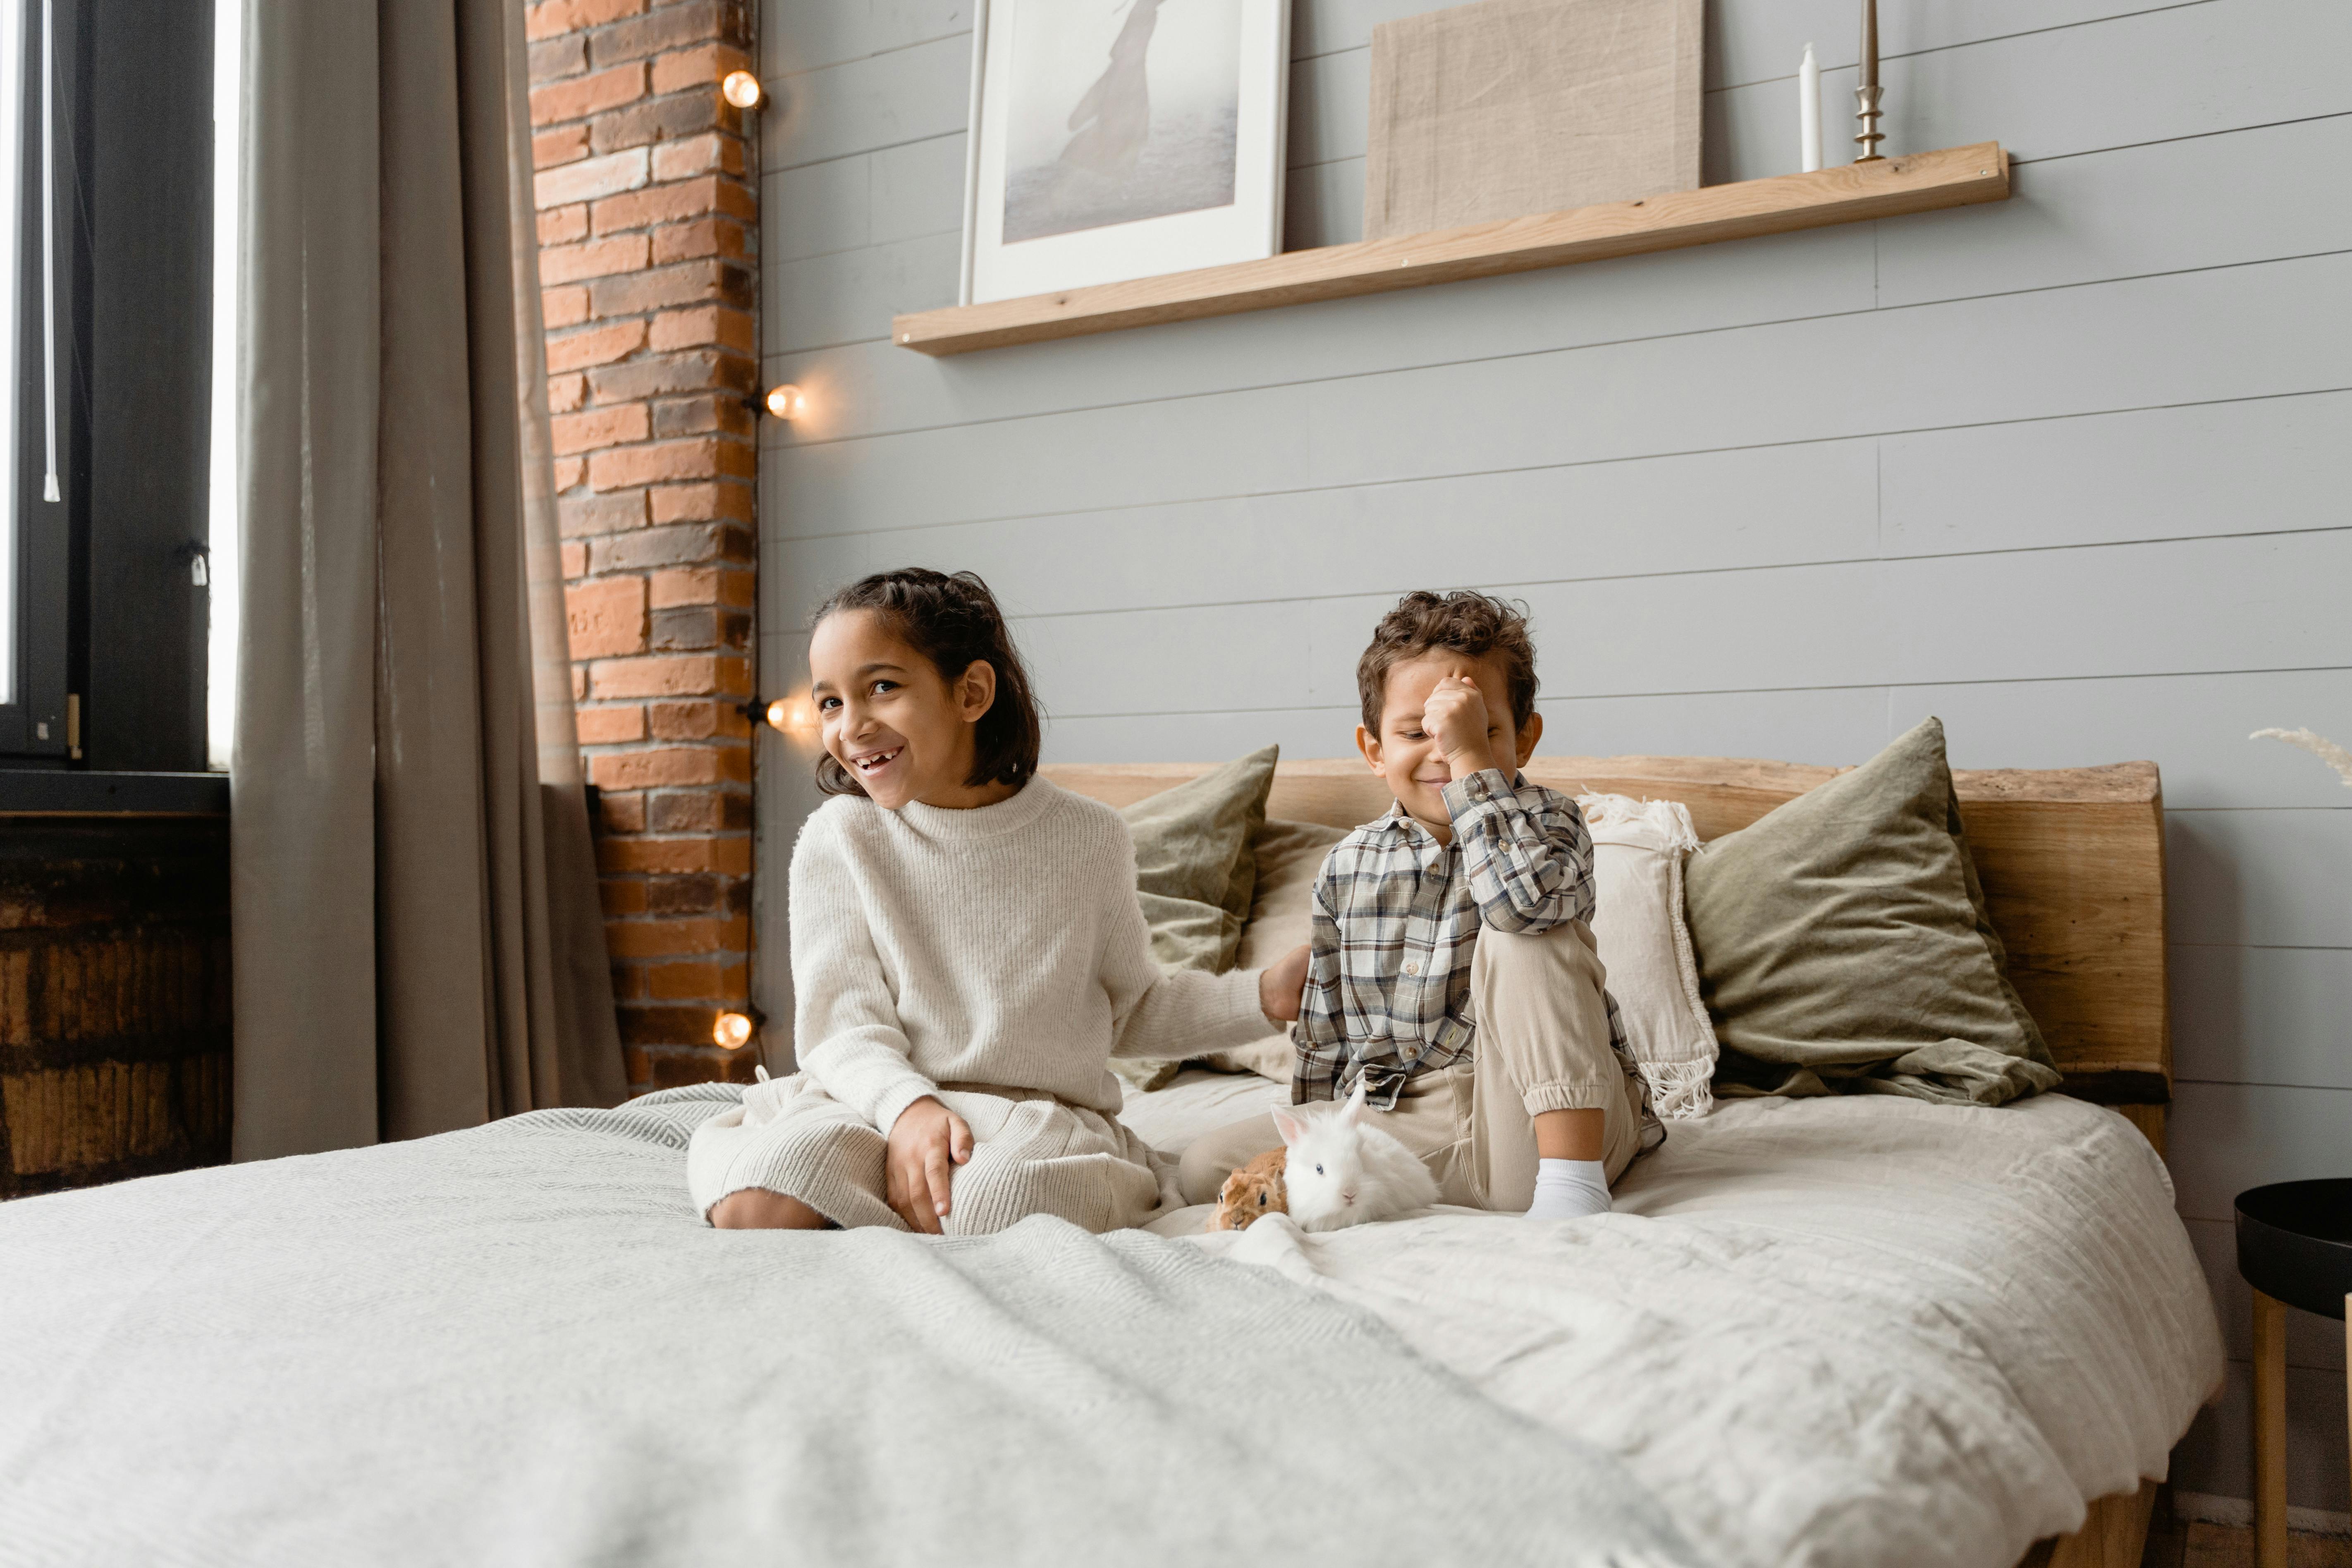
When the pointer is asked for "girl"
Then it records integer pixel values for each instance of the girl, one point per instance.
(968, 953)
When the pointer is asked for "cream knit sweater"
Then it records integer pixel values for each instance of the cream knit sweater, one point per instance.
(1001, 946)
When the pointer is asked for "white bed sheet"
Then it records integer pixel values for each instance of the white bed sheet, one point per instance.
(1848, 1331)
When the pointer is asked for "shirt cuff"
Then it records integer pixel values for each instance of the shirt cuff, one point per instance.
(1465, 795)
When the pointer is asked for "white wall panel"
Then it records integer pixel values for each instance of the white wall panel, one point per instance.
(797, 36)
(1757, 506)
(2269, 878)
(879, 100)
(818, 208)
(2211, 201)
(834, 297)
(919, 190)
(1323, 204)
(2138, 344)
(2152, 473)
(2227, 1137)
(878, 388)
(2193, 727)
(2270, 1015)
(2181, 70)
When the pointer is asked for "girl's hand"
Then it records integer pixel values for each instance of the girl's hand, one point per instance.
(1279, 985)
(926, 1141)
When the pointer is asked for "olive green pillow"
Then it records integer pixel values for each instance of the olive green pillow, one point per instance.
(1195, 871)
(1843, 946)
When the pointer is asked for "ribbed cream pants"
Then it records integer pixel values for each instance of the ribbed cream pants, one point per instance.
(1542, 1045)
(1031, 1153)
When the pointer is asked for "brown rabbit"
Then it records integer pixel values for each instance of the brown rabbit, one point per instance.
(1252, 1192)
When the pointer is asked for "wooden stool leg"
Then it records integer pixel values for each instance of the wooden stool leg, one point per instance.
(2269, 1433)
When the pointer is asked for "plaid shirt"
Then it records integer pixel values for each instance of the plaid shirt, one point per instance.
(1396, 921)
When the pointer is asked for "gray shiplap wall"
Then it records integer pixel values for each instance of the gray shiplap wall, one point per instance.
(2070, 472)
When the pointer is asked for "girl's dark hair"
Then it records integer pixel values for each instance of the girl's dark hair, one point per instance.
(953, 620)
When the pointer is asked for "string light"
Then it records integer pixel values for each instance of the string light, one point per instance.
(786, 401)
(733, 1031)
(793, 715)
(741, 88)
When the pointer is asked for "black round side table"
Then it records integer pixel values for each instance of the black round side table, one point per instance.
(2294, 1247)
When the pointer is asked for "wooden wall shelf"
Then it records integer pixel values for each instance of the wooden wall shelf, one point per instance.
(1923, 182)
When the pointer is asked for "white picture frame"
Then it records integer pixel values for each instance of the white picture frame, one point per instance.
(1098, 138)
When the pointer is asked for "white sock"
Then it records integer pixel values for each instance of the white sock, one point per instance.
(1570, 1189)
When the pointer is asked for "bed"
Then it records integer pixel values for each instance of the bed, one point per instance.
(1850, 1330)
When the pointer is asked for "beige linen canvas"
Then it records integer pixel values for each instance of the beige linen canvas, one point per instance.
(1508, 108)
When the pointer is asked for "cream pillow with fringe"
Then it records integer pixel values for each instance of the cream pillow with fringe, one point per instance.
(1639, 847)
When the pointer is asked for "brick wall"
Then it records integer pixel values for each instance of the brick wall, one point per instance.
(648, 229)
(115, 998)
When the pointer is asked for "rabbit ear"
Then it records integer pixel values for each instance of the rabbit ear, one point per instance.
(1352, 1114)
(1289, 1125)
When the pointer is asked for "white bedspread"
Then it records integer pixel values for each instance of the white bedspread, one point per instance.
(518, 1346)
(1856, 1331)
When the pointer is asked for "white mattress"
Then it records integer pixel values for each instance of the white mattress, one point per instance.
(1858, 1329)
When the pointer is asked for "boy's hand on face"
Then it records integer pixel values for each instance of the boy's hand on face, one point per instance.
(926, 1143)
(1455, 718)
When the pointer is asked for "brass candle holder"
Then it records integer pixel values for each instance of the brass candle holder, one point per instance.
(1866, 96)
(1865, 115)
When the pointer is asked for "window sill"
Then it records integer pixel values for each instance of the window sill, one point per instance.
(55, 792)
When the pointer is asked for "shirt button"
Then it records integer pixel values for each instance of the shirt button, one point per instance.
(1412, 968)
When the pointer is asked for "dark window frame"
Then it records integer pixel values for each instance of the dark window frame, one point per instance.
(112, 624)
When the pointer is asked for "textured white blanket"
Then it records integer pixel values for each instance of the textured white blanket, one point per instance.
(518, 1346)
(1855, 1331)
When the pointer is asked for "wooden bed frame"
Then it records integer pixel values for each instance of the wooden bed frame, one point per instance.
(2071, 861)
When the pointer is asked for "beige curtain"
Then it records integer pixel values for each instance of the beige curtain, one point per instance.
(418, 945)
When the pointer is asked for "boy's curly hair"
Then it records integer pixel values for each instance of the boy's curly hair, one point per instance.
(1473, 624)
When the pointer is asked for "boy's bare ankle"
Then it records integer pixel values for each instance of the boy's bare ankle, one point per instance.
(1569, 1134)
(756, 1208)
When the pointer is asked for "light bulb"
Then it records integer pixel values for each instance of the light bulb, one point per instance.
(733, 1031)
(793, 715)
(786, 401)
(741, 88)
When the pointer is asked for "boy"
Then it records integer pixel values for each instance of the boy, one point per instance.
(1451, 965)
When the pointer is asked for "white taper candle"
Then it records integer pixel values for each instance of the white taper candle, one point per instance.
(1809, 112)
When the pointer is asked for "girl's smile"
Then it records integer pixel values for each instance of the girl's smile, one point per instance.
(897, 726)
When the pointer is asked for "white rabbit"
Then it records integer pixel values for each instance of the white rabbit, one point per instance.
(1343, 1169)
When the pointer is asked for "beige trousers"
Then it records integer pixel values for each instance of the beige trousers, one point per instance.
(1542, 1045)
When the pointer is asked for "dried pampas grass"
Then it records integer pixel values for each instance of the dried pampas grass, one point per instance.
(2319, 746)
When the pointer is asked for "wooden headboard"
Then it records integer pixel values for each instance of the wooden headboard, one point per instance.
(2071, 861)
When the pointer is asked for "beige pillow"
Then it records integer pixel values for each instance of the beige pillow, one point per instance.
(1196, 861)
(1196, 873)
(1638, 849)
(1289, 857)
(1843, 945)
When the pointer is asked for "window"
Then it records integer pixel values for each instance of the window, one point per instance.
(106, 382)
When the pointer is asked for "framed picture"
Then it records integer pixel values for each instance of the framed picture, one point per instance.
(1117, 139)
